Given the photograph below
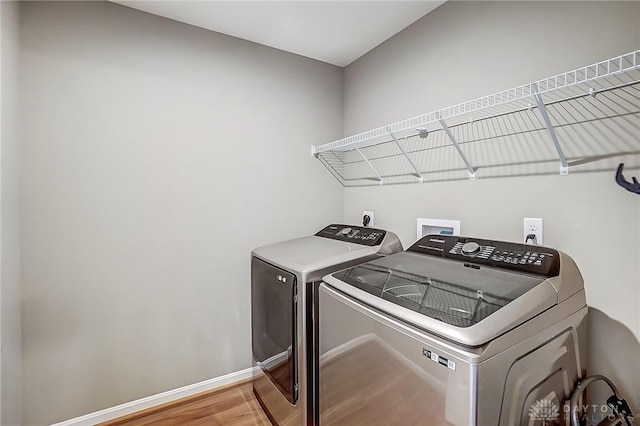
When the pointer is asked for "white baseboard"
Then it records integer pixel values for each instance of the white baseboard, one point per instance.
(154, 400)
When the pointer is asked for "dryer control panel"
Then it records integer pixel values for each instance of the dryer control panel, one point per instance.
(526, 258)
(353, 234)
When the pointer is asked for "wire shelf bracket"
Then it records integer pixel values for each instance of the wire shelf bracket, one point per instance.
(472, 171)
(380, 180)
(564, 166)
(413, 165)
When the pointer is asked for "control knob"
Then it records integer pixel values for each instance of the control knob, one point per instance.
(471, 248)
(345, 231)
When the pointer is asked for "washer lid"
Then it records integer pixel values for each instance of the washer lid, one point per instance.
(469, 305)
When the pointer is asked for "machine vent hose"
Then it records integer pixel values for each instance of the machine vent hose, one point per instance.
(618, 405)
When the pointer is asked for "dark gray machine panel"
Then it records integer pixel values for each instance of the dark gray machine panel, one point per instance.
(531, 259)
(353, 234)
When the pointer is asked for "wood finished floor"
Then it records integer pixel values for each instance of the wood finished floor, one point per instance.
(231, 406)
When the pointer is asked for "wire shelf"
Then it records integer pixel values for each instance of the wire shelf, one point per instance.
(577, 118)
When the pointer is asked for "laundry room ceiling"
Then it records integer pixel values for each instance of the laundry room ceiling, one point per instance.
(336, 32)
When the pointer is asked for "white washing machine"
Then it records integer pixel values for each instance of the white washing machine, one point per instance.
(454, 331)
(284, 309)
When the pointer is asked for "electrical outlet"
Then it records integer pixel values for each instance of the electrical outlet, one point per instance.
(532, 226)
(370, 214)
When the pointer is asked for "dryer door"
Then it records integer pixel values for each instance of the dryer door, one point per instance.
(273, 325)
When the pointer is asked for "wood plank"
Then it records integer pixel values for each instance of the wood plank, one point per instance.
(234, 405)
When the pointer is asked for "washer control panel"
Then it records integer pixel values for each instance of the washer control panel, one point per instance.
(353, 234)
(473, 252)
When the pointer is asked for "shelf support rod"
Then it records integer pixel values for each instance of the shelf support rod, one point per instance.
(472, 172)
(564, 166)
(370, 165)
(413, 165)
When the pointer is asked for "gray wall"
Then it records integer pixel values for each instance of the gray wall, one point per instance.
(155, 157)
(10, 355)
(467, 50)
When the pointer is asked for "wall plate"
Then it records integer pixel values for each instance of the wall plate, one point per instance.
(532, 226)
(437, 226)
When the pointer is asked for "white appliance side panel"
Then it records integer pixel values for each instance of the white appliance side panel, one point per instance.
(376, 370)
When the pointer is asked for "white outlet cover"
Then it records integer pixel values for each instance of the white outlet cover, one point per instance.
(532, 225)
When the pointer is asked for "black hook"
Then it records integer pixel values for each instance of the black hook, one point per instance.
(632, 187)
